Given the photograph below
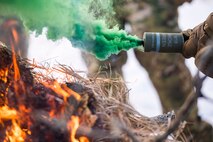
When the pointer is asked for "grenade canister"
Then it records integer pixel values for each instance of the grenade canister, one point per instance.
(163, 42)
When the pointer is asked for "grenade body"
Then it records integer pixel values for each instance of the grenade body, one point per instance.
(163, 42)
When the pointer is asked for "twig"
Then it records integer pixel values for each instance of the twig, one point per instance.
(118, 128)
(185, 109)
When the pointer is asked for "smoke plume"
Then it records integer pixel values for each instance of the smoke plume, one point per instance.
(88, 24)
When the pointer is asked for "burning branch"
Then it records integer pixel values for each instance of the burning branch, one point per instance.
(79, 110)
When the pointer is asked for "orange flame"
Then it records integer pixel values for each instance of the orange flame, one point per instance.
(4, 74)
(7, 113)
(16, 69)
(15, 36)
(73, 125)
(15, 133)
(25, 112)
(52, 113)
(70, 91)
(83, 139)
(65, 92)
(17, 75)
(23, 109)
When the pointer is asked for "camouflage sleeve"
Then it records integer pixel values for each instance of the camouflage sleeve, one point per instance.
(197, 37)
(180, 2)
(196, 45)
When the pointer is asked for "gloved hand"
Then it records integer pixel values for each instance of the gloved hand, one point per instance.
(204, 60)
(196, 45)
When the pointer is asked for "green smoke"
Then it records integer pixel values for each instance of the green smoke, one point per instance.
(85, 22)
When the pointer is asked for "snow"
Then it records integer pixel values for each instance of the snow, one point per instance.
(143, 95)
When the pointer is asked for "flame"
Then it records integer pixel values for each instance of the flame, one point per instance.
(83, 139)
(15, 65)
(16, 39)
(15, 133)
(15, 35)
(53, 105)
(16, 69)
(17, 76)
(65, 92)
(73, 125)
(7, 113)
(4, 74)
(23, 111)
(70, 91)
(52, 113)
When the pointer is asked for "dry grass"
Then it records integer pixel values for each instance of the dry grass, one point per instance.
(117, 116)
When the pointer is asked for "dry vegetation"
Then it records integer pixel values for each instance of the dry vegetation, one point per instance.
(58, 104)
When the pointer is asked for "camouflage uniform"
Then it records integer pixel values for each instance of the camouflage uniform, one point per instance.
(168, 72)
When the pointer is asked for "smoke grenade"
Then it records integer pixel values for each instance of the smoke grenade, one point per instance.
(163, 42)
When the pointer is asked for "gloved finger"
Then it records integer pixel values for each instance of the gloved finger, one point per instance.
(204, 60)
(208, 27)
(190, 45)
(186, 34)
